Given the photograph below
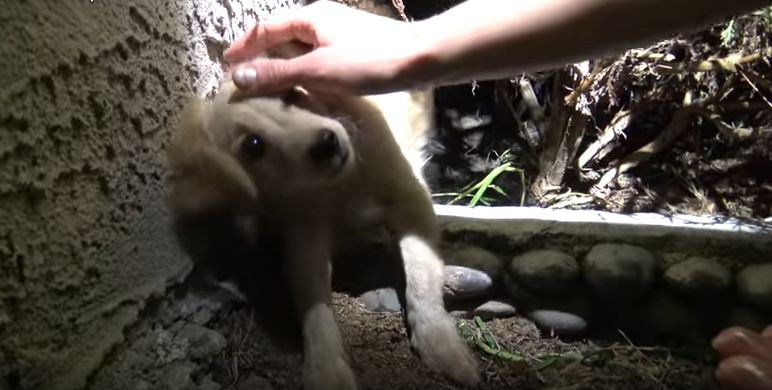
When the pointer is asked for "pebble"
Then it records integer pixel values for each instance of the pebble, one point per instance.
(476, 258)
(619, 271)
(488, 311)
(544, 270)
(561, 322)
(464, 282)
(382, 300)
(754, 283)
(698, 277)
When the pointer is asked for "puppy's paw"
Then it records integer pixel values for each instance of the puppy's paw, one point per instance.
(437, 341)
(328, 373)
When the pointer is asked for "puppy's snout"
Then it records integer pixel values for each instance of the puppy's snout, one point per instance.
(326, 147)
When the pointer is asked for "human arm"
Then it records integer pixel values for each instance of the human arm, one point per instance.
(357, 52)
(487, 39)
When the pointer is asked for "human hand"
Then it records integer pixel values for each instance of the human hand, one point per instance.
(349, 51)
(746, 358)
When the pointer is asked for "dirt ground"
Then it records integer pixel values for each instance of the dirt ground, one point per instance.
(380, 355)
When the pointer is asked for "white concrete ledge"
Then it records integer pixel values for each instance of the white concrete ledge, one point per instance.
(529, 221)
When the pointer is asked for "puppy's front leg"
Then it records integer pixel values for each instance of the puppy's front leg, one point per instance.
(434, 334)
(325, 365)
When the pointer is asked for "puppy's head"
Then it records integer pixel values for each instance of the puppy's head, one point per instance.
(230, 148)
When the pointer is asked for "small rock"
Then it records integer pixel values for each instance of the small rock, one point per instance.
(202, 341)
(463, 282)
(494, 309)
(561, 322)
(382, 300)
(476, 258)
(544, 270)
(619, 271)
(698, 277)
(754, 283)
(487, 311)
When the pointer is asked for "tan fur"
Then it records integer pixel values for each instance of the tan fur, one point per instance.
(316, 209)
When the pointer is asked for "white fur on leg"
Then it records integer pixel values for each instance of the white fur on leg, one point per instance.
(434, 334)
(308, 268)
(325, 363)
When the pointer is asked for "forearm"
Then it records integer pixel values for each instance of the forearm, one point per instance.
(486, 39)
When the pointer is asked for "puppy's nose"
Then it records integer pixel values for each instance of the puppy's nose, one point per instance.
(325, 147)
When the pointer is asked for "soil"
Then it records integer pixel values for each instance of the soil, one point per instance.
(381, 357)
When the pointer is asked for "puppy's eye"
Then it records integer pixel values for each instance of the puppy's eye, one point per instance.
(252, 147)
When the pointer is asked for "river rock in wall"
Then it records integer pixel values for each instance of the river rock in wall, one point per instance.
(754, 283)
(476, 258)
(618, 272)
(544, 270)
(464, 282)
(697, 277)
(659, 313)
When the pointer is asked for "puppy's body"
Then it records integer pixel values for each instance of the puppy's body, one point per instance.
(276, 165)
(322, 173)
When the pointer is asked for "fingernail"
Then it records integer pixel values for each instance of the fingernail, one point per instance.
(732, 341)
(744, 372)
(245, 77)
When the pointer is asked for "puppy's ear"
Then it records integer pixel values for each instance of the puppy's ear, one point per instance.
(202, 177)
(300, 97)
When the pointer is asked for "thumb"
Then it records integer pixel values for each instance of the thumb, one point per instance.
(267, 76)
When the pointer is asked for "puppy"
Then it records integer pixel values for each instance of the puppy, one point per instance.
(320, 171)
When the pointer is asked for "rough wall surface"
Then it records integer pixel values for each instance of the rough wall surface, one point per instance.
(90, 88)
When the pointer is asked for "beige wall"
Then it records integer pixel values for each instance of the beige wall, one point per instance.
(89, 89)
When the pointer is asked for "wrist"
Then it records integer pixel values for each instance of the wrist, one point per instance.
(421, 64)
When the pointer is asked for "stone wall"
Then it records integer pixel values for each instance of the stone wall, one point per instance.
(90, 89)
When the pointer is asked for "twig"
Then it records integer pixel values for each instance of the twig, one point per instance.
(400, 7)
(745, 76)
(728, 63)
(579, 200)
(614, 128)
(529, 99)
(571, 99)
(677, 125)
(723, 128)
(501, 90)
(562, 140)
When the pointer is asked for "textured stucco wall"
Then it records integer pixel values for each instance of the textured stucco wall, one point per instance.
(89, 89)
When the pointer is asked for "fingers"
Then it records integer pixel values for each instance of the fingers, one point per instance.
(266, 35)
(741, 341)
(745, 373)
(767, 333)
(264, 76)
